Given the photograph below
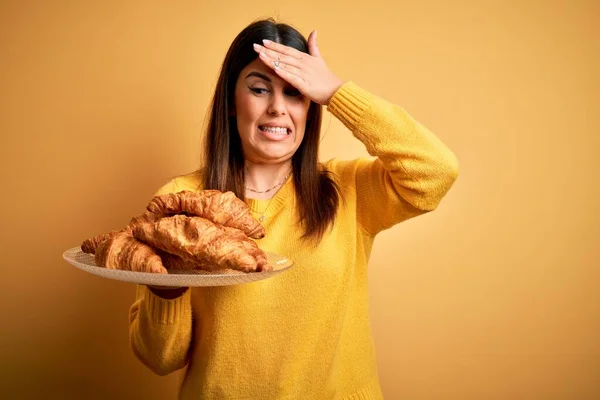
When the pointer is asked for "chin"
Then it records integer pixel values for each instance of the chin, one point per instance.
(274, 156)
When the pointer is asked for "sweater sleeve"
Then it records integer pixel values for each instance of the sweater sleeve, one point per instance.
(160, 330)
(412, 170)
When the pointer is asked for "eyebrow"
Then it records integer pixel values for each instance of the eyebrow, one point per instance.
(258, 75)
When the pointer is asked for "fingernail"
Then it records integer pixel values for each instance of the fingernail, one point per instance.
(257, 46)
(266, 42)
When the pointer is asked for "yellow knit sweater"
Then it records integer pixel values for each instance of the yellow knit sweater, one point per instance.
(305, 333)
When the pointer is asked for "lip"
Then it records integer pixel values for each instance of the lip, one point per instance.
(274, 136)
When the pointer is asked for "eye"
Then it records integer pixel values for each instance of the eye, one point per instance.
(293, 92)
(259, 90)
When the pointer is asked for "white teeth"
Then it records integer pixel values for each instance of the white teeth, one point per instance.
(277, 130)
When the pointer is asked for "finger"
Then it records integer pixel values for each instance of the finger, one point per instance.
(290, 74)
(277, 64)
(289, 51)
(288, 60)
(292, 79)
(313, 48)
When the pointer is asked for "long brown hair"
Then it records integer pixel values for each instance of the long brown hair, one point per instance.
(317, 194)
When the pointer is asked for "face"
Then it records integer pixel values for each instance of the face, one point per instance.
(271, 115)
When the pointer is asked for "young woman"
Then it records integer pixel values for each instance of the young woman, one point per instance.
(303, 334)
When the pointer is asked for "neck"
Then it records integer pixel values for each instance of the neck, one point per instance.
(261, 177)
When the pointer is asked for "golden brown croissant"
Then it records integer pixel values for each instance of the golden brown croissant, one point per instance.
(199, 241)
(221, 208)
(173, 262)
(123, 251)
(249, 246)
(90, 245)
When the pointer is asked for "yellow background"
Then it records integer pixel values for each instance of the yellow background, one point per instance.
(493, 296)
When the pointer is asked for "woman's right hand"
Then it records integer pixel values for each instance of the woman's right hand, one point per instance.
(168, 292)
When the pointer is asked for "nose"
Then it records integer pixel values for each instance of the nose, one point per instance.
(277, 106)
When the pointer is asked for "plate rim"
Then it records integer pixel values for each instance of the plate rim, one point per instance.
(204, 280)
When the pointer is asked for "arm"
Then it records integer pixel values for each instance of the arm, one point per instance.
(160, 330)
(413, 170)
(160, 322)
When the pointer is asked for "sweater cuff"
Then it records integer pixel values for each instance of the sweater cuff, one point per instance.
(349, 104)
(164, 311)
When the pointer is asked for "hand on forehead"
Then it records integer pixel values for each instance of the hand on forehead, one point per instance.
(258, 71)
(306, 72)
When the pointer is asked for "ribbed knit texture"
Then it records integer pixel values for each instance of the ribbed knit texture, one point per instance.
(304, 334)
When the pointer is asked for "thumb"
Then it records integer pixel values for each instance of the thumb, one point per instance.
(313, 49)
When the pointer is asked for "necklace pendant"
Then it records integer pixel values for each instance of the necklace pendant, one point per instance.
(261, 218)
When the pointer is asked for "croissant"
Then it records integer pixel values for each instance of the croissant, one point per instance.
(90, 245)
(249, 246)
(221, 208)
(123, 251)
(171, 261)
(199, 241)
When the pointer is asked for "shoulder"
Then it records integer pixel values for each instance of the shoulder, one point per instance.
(192, 181)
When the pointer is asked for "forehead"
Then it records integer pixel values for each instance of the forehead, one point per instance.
(259, 66)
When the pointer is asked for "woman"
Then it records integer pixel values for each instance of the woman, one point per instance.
(304, 334)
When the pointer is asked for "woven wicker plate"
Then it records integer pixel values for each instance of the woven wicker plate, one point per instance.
(175, 278)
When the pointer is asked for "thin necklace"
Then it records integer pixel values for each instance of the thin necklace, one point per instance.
(268, 190)
(262, 217)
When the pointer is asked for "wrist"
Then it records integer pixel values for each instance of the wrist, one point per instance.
(336, 87)
(168, 293)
